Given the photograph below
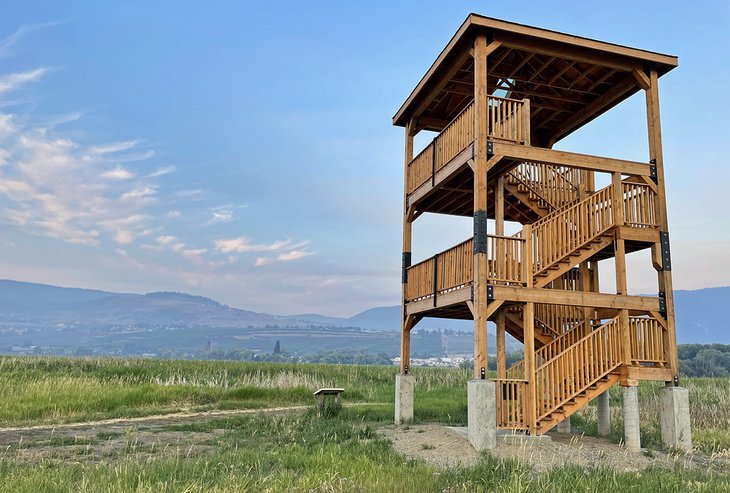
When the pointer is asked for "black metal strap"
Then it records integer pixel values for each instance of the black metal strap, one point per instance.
(480, 231)
(405, 263)
(666, 256)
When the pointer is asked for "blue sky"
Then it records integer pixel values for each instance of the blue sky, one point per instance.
(244, 151)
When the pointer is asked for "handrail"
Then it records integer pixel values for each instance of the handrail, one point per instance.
(578, 367)
(562, 233)
(508, 120)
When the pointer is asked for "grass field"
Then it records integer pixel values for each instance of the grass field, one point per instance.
(265, 452)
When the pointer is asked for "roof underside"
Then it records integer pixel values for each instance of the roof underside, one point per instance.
(569, 80)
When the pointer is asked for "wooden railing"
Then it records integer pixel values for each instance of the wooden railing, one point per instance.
(511, 404)
(441, 273)
(454, 268)
(577, 368)
(508, 121)
(420, 169)
(647, 341)
(559, 319)
(558, 235)
(639, 206)
(505, 259)
(551, 186)
(512, 259)
(454, 138)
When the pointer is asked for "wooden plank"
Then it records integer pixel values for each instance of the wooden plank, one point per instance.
(444, 300)
(629, 375)
(571, 159)
(575, 298)
(501, 341)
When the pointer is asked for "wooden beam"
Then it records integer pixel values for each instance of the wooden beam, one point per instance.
(664, 275)
(405, 340)
(443, 81)
(641, 79)
(593, 109)
(481, 165)
(570, 159)
(528, 325)
(501, 341)
(575, 298)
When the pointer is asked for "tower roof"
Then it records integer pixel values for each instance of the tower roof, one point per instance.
(570, 80)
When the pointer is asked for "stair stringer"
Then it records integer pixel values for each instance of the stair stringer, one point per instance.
(567, 263)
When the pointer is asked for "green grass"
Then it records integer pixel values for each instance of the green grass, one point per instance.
(263, 452)
(305, 453)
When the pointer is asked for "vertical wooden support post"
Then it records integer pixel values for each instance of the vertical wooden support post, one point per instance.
(501, 351)
(620, 259)
(481, 110)
(525, 122)
(656, 157)
(405, 337)
(527, 255)
(528, 322)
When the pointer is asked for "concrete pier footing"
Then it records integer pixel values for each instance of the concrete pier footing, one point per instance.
(603, 411)
(404, 386)
(564, 426)
(482, 414)
(632, 438)
(674, 418)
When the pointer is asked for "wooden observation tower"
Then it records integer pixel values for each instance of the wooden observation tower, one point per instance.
(497, 99)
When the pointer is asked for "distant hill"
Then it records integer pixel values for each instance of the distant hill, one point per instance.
(699, 313)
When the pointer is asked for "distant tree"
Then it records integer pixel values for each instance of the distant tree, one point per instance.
(277, 347)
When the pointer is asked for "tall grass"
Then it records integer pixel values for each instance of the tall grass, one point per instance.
(268, 453)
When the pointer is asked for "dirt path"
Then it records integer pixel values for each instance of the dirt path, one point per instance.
(442, 447)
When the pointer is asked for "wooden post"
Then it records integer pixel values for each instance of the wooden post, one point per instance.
(657, 157)
(620, 260)
(528, 322)
(501, 351)
(405, 337)
(525, 122)
(481, 110)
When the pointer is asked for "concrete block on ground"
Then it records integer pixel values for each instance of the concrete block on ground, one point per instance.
(603, 410)
(674, 418)
(482, 414)
(564, 426)
(632, 437)
(404, 387)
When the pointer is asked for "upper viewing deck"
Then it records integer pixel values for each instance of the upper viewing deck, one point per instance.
(569, 80)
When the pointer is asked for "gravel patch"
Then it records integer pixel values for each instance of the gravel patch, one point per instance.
(441, 447)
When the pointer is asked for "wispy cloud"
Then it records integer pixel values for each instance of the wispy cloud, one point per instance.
(161, 172)
(13, 81)
(14, 38)
(244, 245)
(114, 147)
(293, 255)
(118, 173)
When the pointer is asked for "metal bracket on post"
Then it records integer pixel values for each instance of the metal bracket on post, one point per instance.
(652, 170)
(433, 162)
(663, 304)
(490, 148)
(480, 231)
(405, 263)
(490, 293)
(405, 369)
(483, 373)
(666, 257)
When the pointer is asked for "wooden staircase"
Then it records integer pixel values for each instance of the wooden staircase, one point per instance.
(570, 371)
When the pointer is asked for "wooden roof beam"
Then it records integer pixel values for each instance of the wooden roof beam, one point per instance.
(602, 103)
